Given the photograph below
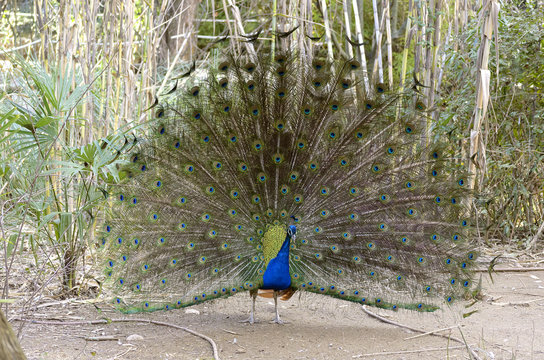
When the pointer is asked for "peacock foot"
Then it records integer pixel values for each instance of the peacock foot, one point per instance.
(278, 321)
(249, 320)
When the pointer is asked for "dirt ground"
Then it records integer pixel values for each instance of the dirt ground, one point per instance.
(509, 324)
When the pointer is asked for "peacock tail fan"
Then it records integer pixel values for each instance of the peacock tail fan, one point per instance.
(380, 215)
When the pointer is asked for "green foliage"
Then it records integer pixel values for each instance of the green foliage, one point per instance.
(513, 196)
(50, 188)
(510, 204)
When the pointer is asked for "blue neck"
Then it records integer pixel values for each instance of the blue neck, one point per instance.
(284, 251)
(276, 275)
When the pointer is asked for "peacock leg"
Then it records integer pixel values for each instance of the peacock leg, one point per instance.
(277, 320)
(251, 318)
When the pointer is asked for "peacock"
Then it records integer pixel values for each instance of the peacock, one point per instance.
(278, 173)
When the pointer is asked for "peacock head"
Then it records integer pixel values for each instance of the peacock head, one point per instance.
(292, 232)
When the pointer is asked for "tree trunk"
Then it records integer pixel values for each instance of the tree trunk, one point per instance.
(9, 345)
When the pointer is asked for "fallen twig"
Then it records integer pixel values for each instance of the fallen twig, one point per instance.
(100, 338)
(516, 303)
(431, 332)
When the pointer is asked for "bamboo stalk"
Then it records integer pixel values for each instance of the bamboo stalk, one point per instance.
(107, 87)
(90, 11)
(477, 150)
(433, 56)
(119, 56)
(231, 31)
(301, 42)
(428, 51)
(238, 21)
(456, 23)
(388, 43)
(328, 37)
(80, 17)
(464, 14)
(291, 17)
(395, 15)
(418, 51)
(347, 26)
(441, 66)
(274, 25)
(407, 44)
(309, 26)
(128, 74)
(149, 70)
(377, 37)
(359, 33)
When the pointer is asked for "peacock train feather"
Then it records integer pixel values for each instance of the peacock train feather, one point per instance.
(278, 174)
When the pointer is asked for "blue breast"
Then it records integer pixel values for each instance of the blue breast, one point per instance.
(276, 275)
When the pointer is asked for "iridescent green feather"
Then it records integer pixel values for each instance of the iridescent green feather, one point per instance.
(209, 190)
